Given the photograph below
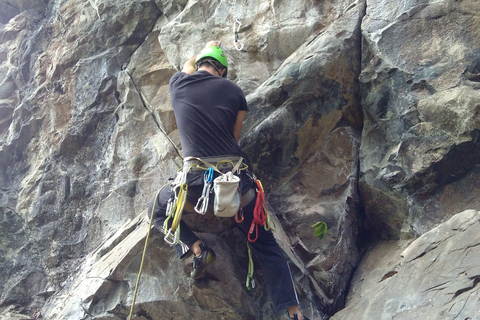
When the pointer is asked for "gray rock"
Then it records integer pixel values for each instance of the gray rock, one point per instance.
(363, 114)
(434, 277)
(421, 111)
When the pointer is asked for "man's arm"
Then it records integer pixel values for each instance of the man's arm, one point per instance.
(237, 129)
(189, 66)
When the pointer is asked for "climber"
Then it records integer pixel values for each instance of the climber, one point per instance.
(209, 111)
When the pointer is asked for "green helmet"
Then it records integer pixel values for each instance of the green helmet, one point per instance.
(213, 52)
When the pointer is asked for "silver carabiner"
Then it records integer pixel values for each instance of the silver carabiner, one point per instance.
(202, 203)
(170, 238)
(238, 45)
(169, 210)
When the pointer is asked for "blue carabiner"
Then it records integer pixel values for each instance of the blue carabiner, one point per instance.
(208, 175)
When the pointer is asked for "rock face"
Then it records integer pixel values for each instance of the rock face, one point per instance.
(420, 81)
(434, 277)
(363, 114)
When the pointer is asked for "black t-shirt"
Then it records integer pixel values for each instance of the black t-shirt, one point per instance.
(206, 108)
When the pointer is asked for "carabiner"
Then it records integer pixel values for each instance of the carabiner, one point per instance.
(208, 175)
(250, 282)
(170, 238)
(202, 205)
(238, 45)
(169, 210)
(239, 216)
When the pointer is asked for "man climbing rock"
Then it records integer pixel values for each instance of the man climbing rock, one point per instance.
(209, 111)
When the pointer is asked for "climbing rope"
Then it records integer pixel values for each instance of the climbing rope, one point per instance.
(238, 45)
(143, 254)
(260, 214)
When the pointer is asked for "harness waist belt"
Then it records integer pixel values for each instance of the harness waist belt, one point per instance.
(221, 162)
(247, 197)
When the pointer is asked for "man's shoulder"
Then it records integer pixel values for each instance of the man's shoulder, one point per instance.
(181, 76)
(177, 75)
(234, 87)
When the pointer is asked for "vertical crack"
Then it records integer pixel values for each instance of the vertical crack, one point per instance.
(150, 110)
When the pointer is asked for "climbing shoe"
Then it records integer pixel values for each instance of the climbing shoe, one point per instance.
(201, 262)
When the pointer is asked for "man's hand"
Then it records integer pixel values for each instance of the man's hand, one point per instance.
(189, 66)
(213, 43)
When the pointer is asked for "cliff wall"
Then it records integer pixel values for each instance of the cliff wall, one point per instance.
(364, 114)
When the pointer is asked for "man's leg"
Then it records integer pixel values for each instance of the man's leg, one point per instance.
(159, 206)
(188, 240)
(272, 260)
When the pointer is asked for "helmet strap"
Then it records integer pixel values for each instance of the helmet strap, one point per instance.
(214, 67)
(211, 63)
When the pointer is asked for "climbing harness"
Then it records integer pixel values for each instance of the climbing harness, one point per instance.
(179, 187)
(260, 214)
(202, 203)
(225, 186)
(143, 254)
(177, 200)
(250, 282)
(238, 45)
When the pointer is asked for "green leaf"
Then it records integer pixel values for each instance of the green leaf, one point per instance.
(320, 229)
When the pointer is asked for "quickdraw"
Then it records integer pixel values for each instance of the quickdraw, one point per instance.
(238, 45)
(175, 206)
(202, 203)
(250, 282)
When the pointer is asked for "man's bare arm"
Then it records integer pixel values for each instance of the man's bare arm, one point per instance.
(237, 129)
(189, 66)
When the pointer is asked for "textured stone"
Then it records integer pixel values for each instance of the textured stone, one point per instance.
(421, 103)
(363, 114)
(434, 277)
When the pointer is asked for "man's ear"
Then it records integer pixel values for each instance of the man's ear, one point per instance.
(222, 72)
